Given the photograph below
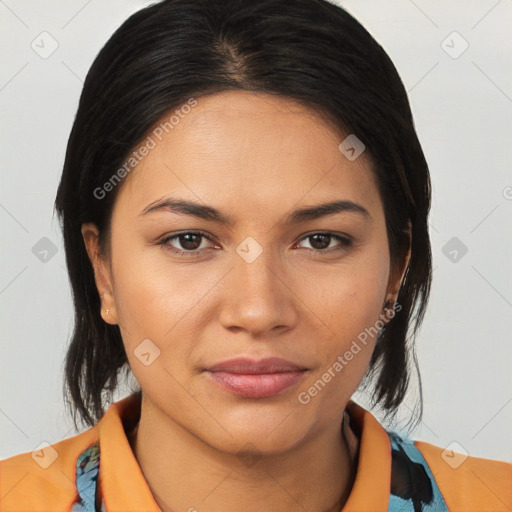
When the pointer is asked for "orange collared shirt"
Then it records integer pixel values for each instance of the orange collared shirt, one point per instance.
(393, 474)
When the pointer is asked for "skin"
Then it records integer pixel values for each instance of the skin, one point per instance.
(254, 157)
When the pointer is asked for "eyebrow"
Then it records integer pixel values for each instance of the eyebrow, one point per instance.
(201, 211)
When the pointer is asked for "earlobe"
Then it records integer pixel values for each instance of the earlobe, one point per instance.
(102, 274)
(107, 315)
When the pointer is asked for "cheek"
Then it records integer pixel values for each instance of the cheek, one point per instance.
(154, 302)
(351, 298)
(151, 294)
(351, 301)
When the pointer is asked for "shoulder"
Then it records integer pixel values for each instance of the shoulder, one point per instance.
(45, 478)
(469, 483)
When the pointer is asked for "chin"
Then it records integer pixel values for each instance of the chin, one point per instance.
(258, 431)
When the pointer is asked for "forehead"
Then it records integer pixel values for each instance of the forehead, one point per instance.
(261, 150)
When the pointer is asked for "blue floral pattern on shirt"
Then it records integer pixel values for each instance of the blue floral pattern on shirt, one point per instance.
(87, 467)
(413, 487)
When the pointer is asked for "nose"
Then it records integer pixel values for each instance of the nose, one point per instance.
(258, 297)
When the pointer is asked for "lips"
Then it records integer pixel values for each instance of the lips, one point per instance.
(252, 367)
(256, 379)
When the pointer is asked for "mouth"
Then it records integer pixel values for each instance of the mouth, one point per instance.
(256, 379)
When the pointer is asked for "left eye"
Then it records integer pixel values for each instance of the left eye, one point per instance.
(321, 242)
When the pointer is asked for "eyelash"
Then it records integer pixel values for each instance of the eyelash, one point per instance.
(345, 243)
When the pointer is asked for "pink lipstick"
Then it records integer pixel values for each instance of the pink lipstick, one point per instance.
(256, 379)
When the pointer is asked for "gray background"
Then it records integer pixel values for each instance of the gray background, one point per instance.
(462, 104)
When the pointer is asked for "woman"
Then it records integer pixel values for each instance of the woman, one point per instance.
(244, 205)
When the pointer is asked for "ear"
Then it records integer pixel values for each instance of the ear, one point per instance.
(398, 272)
(102, 273)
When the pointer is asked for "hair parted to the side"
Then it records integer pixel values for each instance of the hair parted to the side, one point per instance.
(310, 51)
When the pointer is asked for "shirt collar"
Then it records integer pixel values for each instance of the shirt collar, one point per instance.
(370, 490)
(122, 483)
(124, 488)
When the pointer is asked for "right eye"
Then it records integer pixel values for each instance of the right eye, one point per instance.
(190, 242)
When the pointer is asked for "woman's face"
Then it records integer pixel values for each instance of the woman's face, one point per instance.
(266, 284)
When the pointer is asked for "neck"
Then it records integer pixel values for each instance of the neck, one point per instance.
(184, 473)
